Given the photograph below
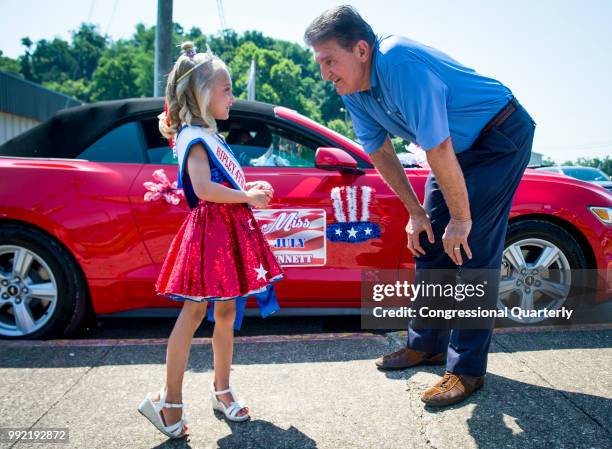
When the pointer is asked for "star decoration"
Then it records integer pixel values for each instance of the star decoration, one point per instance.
(338, 231)
(367, 231)
(352, 233)
(261, 272)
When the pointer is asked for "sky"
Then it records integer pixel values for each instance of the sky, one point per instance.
(555, 55)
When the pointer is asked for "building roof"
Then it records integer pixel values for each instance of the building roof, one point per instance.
(25, 98)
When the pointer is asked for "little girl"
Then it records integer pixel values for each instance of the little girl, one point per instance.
(220, 254)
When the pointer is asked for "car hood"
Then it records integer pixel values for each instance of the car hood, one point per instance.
(606, 184)
(563, 179)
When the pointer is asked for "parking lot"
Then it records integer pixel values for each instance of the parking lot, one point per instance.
(311, 383)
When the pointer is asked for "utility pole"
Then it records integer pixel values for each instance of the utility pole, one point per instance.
(163, 46)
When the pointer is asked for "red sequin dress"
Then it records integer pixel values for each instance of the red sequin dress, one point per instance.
(219, 252)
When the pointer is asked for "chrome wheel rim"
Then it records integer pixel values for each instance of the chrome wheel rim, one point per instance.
(28, 291)
(535, 275)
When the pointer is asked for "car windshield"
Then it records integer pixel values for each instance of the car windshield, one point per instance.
(317, 126)
(586, 174)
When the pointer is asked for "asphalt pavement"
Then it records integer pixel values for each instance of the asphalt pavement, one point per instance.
(310, 387)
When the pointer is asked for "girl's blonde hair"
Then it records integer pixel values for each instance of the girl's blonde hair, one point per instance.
(188, 90)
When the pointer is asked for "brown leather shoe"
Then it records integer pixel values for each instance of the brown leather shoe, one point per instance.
(451, 389)
(405, 358)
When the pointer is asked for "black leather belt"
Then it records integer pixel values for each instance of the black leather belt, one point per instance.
(500, 117)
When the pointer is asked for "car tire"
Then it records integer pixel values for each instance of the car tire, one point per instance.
(51, 286)
(539, 243)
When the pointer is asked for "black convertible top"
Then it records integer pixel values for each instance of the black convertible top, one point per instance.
(68, 132)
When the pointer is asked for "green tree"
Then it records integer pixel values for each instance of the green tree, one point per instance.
(79, 89)
(285, 79)
(399, 144)
(25, 60)
(144, 66)
(91, 67)
(53, 61)
(223, 45)
(264, 60)
(346, 129)
(86, 49)
(328, 100)
(9, 65)
(116, 74)
(604, 164)
(144, 38)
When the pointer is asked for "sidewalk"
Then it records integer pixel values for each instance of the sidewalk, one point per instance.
(544, 390)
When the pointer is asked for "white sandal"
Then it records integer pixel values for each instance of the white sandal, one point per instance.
(151, 410)
(231, 411)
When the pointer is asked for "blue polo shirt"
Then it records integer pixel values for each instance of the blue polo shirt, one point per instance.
(423, 96)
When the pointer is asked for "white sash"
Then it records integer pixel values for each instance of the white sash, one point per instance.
(217, 149)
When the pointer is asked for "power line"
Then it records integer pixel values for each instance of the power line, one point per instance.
(91, 9)
(74, 72)
(221, 15)
(111, 17)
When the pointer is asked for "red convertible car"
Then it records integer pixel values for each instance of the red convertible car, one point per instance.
(89, 205)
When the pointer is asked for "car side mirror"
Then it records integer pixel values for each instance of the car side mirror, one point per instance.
(329, 158)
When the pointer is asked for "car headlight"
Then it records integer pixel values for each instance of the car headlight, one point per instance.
(603, 213)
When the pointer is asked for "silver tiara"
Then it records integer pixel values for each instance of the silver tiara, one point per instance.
(191, 53)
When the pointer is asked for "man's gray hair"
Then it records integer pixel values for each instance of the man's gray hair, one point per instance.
(342, 24)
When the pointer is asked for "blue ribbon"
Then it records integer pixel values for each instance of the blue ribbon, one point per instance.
(266, 301)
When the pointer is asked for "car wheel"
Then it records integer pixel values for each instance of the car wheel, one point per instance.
(42, 290)
(537, 265)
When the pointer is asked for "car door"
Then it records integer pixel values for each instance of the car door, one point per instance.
(283, 154)
(120, 272)
(157, 217)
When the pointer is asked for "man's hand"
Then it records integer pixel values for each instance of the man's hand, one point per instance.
(418, 222)
(388, 165)
(447, 171)
(454, 237)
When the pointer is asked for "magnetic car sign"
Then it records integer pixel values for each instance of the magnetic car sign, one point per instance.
(297, 236)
